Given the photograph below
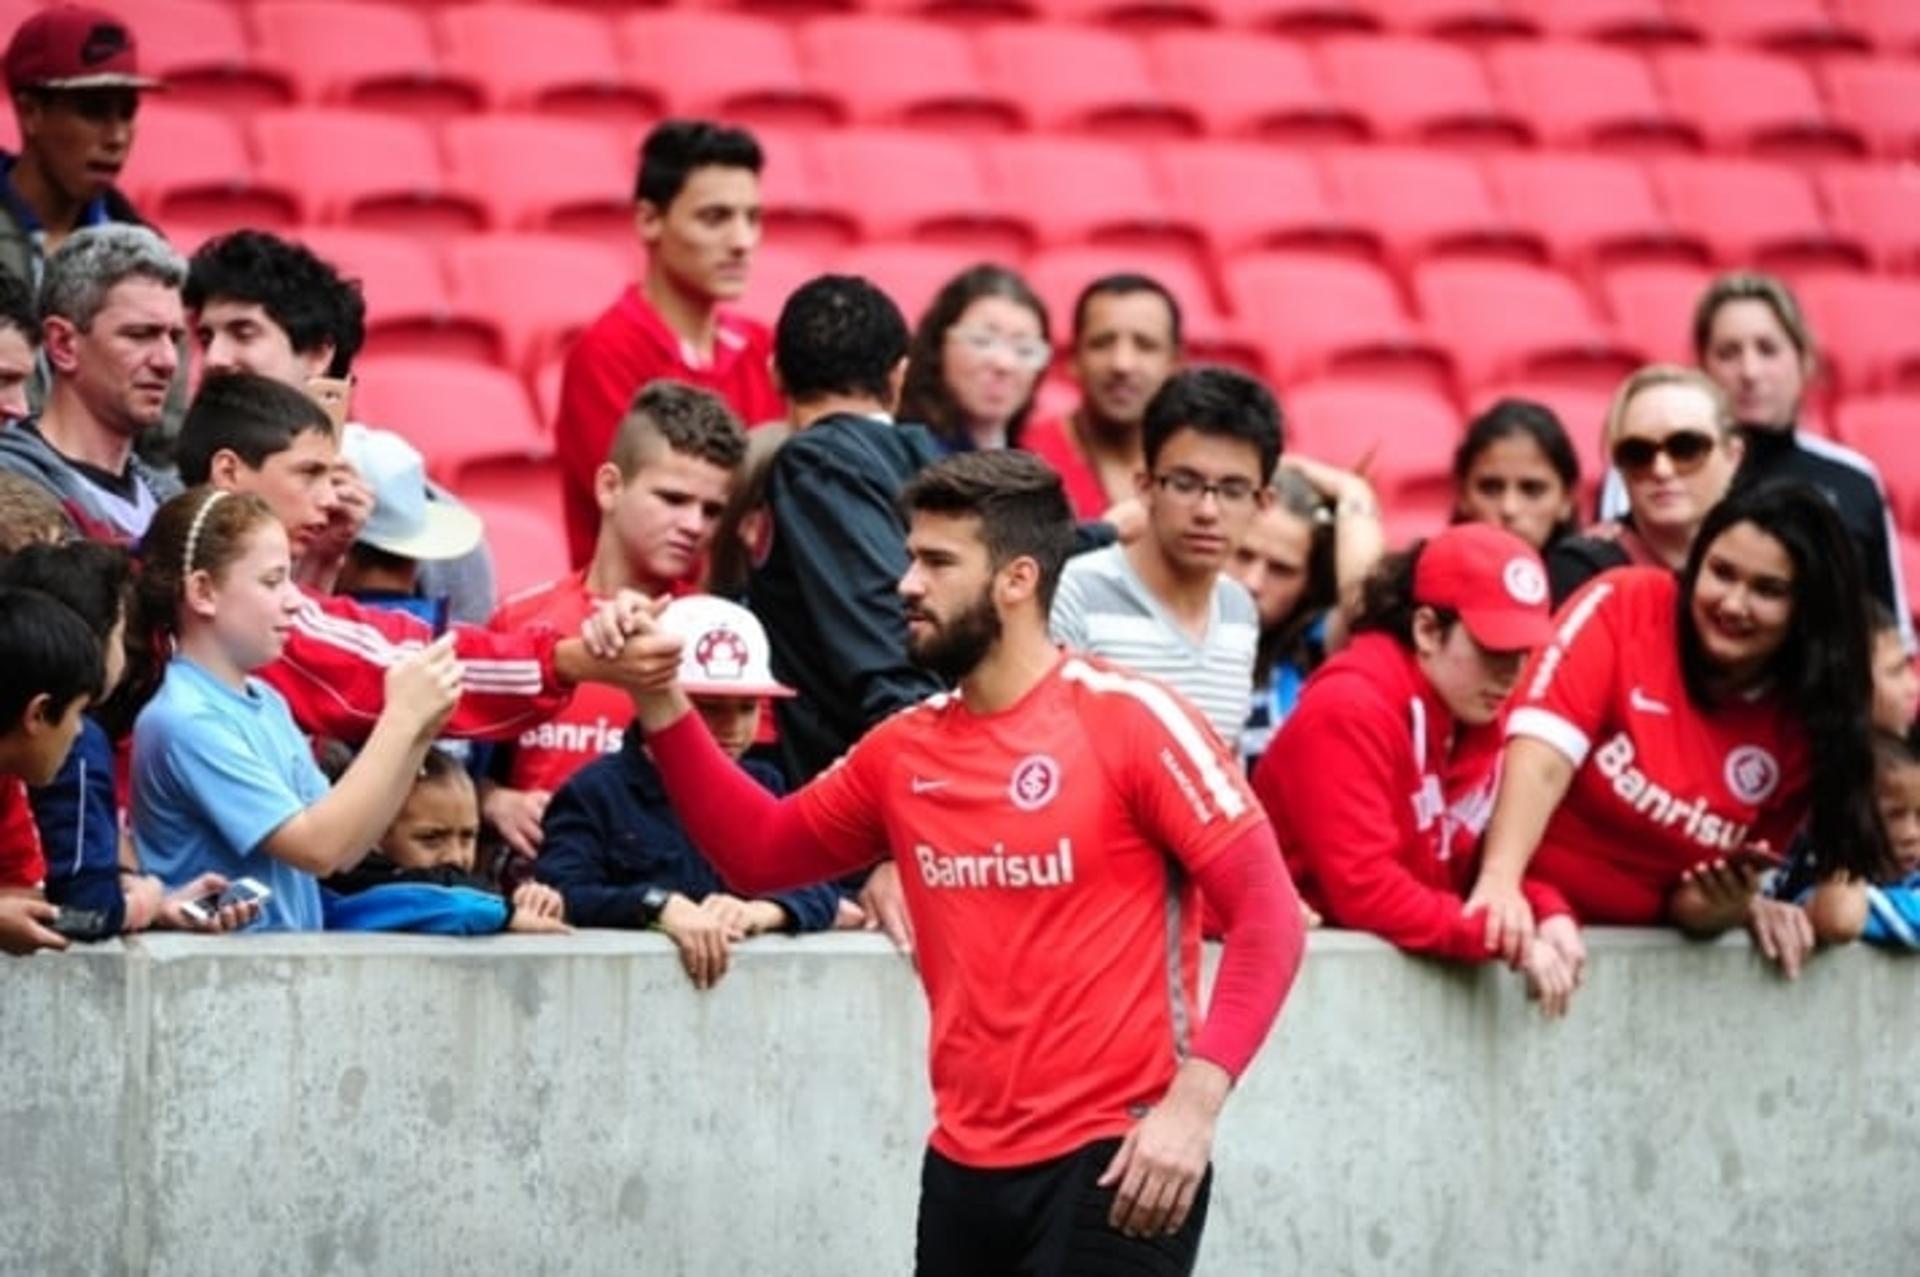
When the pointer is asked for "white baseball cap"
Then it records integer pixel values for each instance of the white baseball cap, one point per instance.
(726, 652)
(405, 521)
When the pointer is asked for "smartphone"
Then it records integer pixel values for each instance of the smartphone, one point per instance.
(246, 891)
(79, 924)
(332, 394)
(1758, 859)
(202, 908)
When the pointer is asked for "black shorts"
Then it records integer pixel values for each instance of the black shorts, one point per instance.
(1044, 1220)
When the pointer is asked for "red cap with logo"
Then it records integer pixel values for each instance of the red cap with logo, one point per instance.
(72, 47)
(1493, 579)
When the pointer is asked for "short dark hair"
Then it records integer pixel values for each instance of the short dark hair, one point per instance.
(675, 148)
(1214, 401)
(926, 398)
(838, 335)
(1517, 418)
(1120, 285)
(1018, 498)
(46, 649)
(251, 415)
(19, 308)
(687, 419)
(300, 292)
(92, 578)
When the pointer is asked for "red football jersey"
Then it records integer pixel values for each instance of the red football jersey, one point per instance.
(591, 722)
(1046, 853)
(623, 350)
(23, 866)
(1661, 782)
(1051, 439)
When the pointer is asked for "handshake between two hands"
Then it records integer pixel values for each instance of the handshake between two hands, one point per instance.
(624, 639)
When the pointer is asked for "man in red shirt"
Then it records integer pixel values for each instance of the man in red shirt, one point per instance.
(1126, 343)
(1055, 820)
(698, 210)
(660, 493)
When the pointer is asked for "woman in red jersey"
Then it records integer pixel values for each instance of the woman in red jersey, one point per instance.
(1380, 782)
(1664, 741)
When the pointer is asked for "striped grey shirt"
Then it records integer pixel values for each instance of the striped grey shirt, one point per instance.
(1103, 607)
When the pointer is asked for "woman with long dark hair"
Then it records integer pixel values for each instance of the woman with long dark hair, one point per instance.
(1516, 468)
(1662, 749)
(976, 359)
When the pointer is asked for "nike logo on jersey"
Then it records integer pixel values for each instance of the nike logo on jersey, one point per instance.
(1644, 704)
(922, 785)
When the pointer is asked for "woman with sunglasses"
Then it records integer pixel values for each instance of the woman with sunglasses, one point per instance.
(1671, 438)
(1661, 750)
(976, 359)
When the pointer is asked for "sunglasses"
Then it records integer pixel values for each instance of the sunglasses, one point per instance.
(1686, 449)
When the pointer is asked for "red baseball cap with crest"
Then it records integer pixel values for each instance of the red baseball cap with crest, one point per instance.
(725, 650)
(74, 47)
(1493, 579)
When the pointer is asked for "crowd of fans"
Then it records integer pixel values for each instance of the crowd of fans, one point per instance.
(258, 677)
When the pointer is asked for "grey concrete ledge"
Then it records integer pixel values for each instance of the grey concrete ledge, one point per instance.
(357, 1104)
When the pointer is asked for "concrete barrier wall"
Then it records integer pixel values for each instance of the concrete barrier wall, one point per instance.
(364, 1104)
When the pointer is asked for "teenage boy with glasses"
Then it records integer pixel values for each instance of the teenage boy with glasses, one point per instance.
(1162, 604)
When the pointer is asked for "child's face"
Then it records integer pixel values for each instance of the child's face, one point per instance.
(438, 825)
(731, 719)
(1896, 685)
(253, 601)
(45, 735)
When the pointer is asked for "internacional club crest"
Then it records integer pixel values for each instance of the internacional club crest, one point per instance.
(1036, 779)
(1526, 583)
(1752, 774)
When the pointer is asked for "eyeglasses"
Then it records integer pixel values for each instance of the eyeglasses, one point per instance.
(1189, 486)
(1029, 352)
(1687, 449)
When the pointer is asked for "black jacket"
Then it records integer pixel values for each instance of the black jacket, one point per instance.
(826, 590)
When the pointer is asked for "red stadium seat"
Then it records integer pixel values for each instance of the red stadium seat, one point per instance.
(364, 167)
(542, 173)
(1458, 19)
(1638, 22)
(1753, 212)
(410, 309)
(350, 52)
(1869, 329)
(1135, 15)
(200, 48)
(451, 410)
(529, 546)
(1894, 25)
(926, 187)
(778, 269)
(902, 71)
(1652, 306)
(1420, 90)
(1254, 86)
(1427, 203)
(727, 65)
(1084, 191)
(909, 273)
(1798, 26)
(1078, 78)
(541, 58)
(1300, 17)
(1250, 196)
(543, 288)
(799, 206)
(1401, 437)
(1313, 314)
(1504, 320)
(1580, 94)
(1881, 99)
(1878, 206)
(1589, 208)
(1883, 428)
(1060, 274)
(191, 168)
(1754, 101)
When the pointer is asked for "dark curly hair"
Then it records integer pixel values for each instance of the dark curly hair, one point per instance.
(301, 293)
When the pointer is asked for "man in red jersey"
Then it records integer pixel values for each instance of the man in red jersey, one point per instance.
(698, 213)
(660, 493)
(1055, 819)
